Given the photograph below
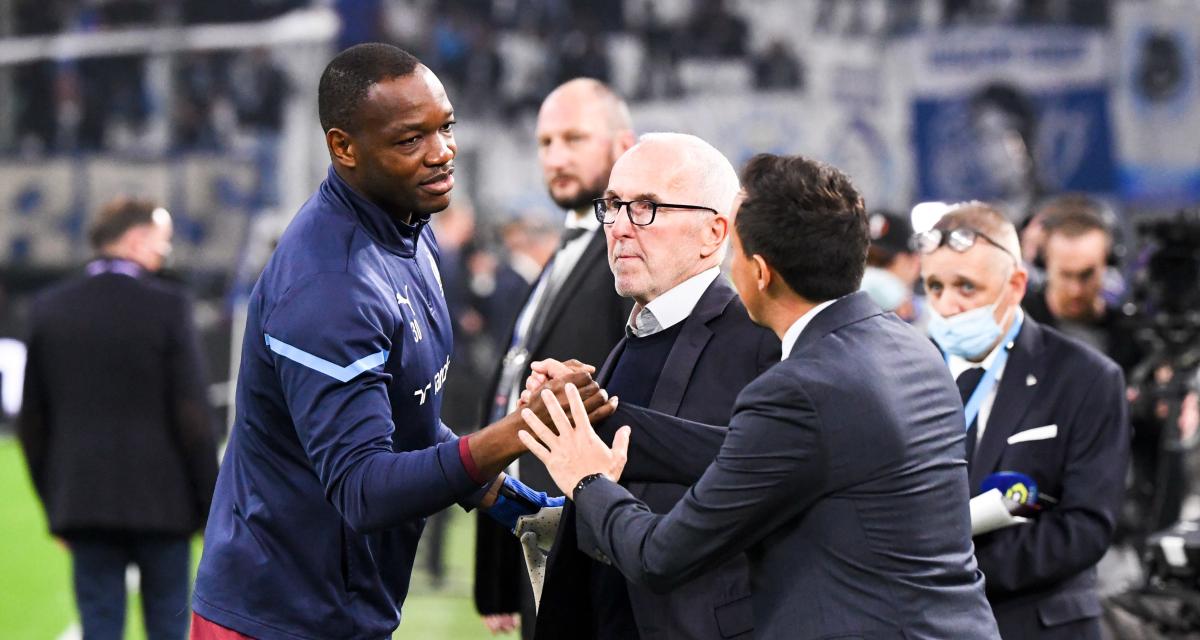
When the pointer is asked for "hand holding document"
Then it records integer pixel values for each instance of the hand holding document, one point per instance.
(991, 511)
(536, 533)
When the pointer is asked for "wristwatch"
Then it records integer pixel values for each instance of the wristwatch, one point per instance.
(583, 482)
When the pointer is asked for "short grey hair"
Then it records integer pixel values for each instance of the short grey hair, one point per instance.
(702, 165)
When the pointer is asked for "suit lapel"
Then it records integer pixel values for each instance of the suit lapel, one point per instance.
(693, 337)
(1013, 398)
(594, 256)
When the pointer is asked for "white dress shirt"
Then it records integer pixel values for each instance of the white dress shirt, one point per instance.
(672, 307)
(793, 333)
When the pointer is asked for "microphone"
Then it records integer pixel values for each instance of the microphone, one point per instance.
(1020, 492)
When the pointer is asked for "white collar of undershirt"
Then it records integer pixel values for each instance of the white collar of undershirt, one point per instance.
(575, 221)
(793, 333)
(677, 303)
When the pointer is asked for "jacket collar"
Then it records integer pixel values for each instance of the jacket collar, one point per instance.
(694, 336)
(846, 310)
(395, 236)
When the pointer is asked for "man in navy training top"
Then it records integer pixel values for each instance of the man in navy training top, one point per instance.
(337, 453)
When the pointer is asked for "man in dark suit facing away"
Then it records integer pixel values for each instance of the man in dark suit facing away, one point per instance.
(1037, 403)
(841, 477)
(571, 311)
(689, 349)
(115, 425)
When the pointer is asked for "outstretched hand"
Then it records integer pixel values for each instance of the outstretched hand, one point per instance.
(575, 451)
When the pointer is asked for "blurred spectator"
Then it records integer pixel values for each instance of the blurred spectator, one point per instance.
(713, 31)
(529, 243)
(259, 88)
(115, 425)
(1018, 12)
(35, 83)
(893, 265)
(777, 68)
(582, 54)
(361, 22)
(113, 89)
(200, 83)
(659, 77)
(1076, 247)
(217, 11)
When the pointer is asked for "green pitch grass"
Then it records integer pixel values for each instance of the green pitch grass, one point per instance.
(35, 573)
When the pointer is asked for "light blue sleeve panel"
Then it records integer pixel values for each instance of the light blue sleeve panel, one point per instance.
(316, 363)
(342, 413)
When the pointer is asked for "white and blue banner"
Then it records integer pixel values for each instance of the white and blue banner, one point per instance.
(1001, 111)
(1156, 102)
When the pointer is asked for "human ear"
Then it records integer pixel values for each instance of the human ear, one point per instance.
(342, 148)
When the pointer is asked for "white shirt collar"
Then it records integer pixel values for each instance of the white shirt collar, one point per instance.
(574, 221)
(677, 303)
(959, 364)
(793, 333)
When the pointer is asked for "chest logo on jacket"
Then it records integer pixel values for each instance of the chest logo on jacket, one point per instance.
(439, 380)
(403, 301)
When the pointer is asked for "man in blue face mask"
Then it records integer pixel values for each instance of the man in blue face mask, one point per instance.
(1037, 403)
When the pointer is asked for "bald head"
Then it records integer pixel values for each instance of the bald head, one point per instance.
(690, 165)
(582, 128)
(589, 91)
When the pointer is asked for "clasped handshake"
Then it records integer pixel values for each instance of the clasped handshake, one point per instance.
(559, 405)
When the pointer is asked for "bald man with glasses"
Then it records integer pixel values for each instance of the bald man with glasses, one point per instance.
(689, 349)
(1036, 403)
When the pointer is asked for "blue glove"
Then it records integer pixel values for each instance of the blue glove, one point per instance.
(516, 500)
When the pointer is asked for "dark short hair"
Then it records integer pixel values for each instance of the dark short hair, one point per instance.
(348, 77)
(1074, 214)
(117, 217)
(807, 221)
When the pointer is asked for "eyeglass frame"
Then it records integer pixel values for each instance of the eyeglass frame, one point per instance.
(627, 205)
(944, 240)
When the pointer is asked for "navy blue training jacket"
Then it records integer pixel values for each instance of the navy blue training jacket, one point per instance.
(337, 453)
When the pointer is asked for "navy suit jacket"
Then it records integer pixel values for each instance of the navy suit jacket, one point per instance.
(718, 352)
(842, 479)
(1041, 576)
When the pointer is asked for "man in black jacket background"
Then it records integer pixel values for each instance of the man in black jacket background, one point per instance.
(115, 425)
(571, 311)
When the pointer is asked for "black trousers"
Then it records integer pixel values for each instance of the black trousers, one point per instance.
(98, 564)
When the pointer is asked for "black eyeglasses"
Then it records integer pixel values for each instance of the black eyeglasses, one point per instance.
(959, 239)
(641, 212)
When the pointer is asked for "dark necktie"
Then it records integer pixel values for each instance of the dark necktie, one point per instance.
(967, 381)
(570, 234)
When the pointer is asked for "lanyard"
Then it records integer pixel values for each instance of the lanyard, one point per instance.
(114, 265)
(988, 381)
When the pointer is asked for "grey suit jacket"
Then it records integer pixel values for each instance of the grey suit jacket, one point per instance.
(842, 478)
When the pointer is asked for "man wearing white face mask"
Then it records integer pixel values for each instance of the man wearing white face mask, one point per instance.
(1039, 404)
(893, 266)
